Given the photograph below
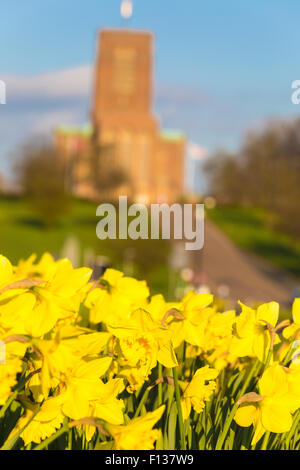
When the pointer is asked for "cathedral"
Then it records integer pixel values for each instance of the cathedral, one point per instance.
(123, 125)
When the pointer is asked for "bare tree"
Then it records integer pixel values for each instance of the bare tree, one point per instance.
(41, 177)
(265, 173)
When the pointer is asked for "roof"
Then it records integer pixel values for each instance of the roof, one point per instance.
(85, 130)
(171, 134)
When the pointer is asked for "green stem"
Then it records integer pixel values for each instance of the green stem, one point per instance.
(52, 438)
(289, 354)
(11, 441)
(265, 441)
(254, 369)
(179, 410)
(8, 403)
(141, 403)
(269, 356)
(184, 353)
(160, 385)
(70, 439)
(294, 427)
(228, 421)
(20, 386)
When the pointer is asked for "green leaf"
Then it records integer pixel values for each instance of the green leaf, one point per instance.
(172, 427)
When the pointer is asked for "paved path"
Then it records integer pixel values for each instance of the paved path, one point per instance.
(248, 278)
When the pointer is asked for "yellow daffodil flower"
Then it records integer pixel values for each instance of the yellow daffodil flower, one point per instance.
(195, 316)
(139, 433)
(6, 271)
(272, 411)
(142, 342)
(82, 387)
(252, 336)
(116, 298)
(293, 330)
(198, 391)
(41, 305)
(48, 419)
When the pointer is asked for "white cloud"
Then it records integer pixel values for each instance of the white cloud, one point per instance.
(47, 122)
(38, 104)
(195, 151)
(69, 83)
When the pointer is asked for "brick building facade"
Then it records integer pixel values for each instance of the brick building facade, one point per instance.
(122, 119)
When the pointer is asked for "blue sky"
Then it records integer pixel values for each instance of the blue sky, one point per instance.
(221, 68)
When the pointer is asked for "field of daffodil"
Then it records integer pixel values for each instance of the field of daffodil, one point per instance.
(103, 365)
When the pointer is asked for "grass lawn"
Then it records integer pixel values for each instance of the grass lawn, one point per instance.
(22, 234)
(248, 229)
